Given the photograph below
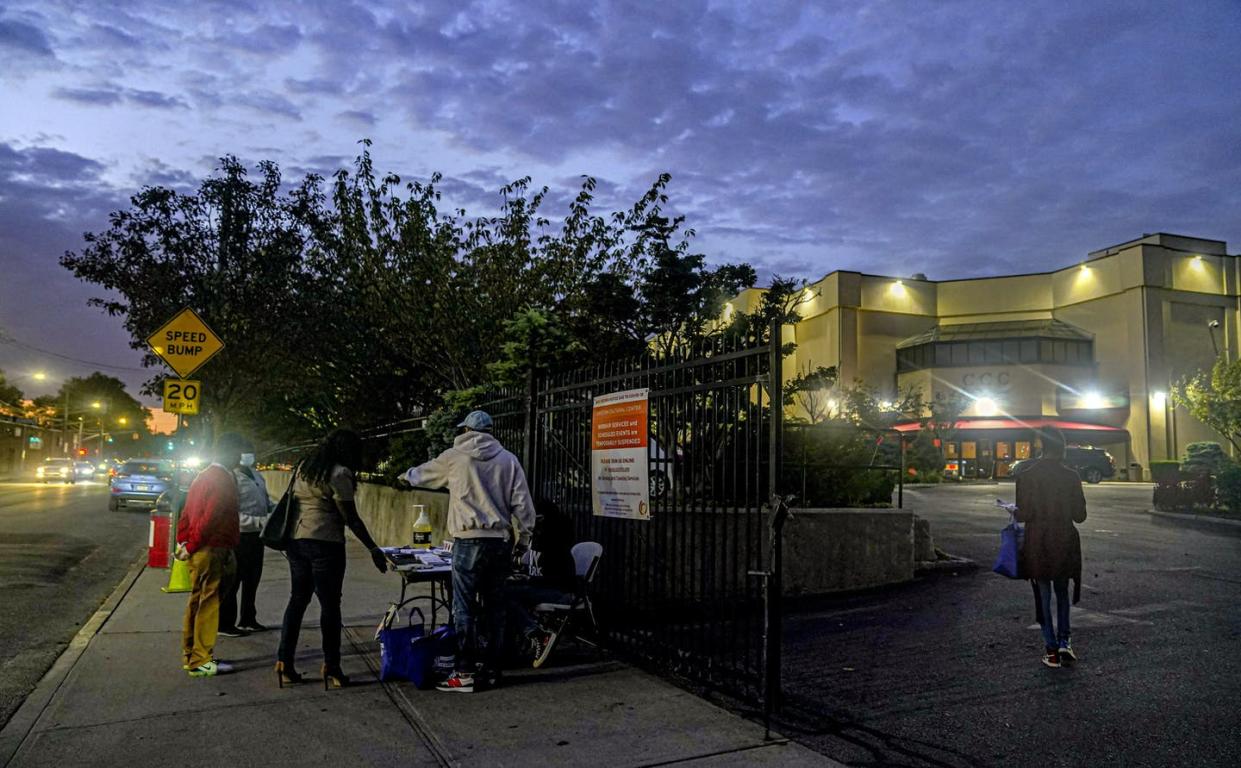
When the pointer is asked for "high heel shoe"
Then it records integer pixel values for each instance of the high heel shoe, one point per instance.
(334, 678)
(286, 674)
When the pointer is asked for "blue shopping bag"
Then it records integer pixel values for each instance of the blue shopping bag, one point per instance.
(1011, 538)
(398, 659)
(437, 654)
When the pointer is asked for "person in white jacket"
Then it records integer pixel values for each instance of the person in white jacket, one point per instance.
(255, 507)
(489, 503)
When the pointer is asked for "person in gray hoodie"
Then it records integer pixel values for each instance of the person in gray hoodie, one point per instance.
(254, 509)
(489, 502)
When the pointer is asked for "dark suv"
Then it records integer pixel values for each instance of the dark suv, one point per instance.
(1092, 464)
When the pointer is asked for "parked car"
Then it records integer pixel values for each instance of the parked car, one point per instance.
(57, 469)
(1092, 464)
(139, 482)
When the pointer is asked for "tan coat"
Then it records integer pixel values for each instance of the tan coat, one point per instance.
(1049, 502)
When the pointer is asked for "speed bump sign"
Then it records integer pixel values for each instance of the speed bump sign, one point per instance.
(182, 396)
(185, 342)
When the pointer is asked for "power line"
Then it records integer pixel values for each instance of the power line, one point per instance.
(7, 338)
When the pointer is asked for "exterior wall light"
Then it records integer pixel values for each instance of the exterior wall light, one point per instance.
(1093, 401)
(1159, 399)
(986, 406)
(897, 288)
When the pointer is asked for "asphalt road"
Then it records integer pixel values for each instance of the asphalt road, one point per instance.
(946, 671)
(61, 553)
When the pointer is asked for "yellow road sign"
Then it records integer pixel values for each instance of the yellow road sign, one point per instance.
(185, 342)
(181, 396)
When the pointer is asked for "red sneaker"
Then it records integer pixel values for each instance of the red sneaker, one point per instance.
(457, 683)
(1052, 658)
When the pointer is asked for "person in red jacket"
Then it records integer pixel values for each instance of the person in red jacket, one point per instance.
(207, 532)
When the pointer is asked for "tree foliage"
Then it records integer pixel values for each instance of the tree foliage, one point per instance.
(360, 298)
(1214, 399)
(10, 396)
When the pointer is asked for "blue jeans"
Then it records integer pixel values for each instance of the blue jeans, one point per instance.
(1057, 635)
(479, 568)
(523, 596)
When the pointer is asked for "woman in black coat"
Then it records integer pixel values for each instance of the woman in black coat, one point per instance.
(1049, 502)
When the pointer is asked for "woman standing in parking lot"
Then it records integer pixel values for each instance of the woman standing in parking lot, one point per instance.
(1049, 502)
(324, 485)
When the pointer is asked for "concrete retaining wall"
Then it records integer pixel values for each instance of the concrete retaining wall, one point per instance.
(825, 550)
(387, 512)
(834, 550)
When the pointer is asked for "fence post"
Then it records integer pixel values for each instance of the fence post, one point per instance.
(774, 619)
(530, 443)
(900, 481)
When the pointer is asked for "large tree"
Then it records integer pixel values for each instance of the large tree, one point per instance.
(360, 300)
(234, 252)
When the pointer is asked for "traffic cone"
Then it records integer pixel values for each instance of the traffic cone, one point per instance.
(178, 577)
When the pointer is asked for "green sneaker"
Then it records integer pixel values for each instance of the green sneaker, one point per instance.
(211, 669)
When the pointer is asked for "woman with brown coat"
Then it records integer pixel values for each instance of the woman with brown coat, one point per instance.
(1049, 502)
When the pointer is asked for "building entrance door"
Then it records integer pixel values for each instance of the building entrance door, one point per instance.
(969, 458)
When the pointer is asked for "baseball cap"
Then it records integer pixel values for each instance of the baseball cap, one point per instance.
(479, 421)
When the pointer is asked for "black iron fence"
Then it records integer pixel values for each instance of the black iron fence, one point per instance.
(694, 589)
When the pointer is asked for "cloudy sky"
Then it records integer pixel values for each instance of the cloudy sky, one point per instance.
(951, 138)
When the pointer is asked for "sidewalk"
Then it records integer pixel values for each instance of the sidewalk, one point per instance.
(119, 697)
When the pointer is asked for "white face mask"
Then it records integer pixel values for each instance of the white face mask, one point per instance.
(247, 459)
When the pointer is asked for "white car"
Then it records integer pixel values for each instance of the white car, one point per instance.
(57, 469)
(83, 470)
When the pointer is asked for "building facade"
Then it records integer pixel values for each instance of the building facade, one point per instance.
(1092, 348)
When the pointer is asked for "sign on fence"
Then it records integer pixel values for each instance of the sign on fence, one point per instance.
(619, 459)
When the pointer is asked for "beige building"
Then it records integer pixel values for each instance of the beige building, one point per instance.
(1092, 347)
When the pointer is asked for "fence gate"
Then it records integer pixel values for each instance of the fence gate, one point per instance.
(695, 589)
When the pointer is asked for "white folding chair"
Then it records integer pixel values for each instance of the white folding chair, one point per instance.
(586, 555)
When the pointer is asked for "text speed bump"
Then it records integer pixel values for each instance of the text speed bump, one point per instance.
(181, 396)
(185, 342)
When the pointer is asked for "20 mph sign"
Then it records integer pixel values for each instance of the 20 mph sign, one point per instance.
(185, 342)
(182, 396)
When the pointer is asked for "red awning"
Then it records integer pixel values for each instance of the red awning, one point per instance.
(1075, 426)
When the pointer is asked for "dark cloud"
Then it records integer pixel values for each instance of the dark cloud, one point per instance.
(265, 102)
(24, 38)
(110, 95)
(154, 99)
(47, 197)
(314, 85)
(101, 97)
(357, 116)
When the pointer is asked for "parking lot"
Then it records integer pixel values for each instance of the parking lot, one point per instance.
(945, 671)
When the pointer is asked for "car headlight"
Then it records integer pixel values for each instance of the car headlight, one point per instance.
(64, 472)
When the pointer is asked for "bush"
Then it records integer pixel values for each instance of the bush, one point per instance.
(825, 466)
(1228, 484)
(1205, 458)
(1166, 471)
(924, 460)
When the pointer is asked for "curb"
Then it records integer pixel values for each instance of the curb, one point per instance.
(1202, 522)
(953, 563)
(15, 733)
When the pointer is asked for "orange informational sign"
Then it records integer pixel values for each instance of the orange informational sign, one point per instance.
(618, 455)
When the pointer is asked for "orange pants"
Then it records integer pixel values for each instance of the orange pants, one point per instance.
(210, 568)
